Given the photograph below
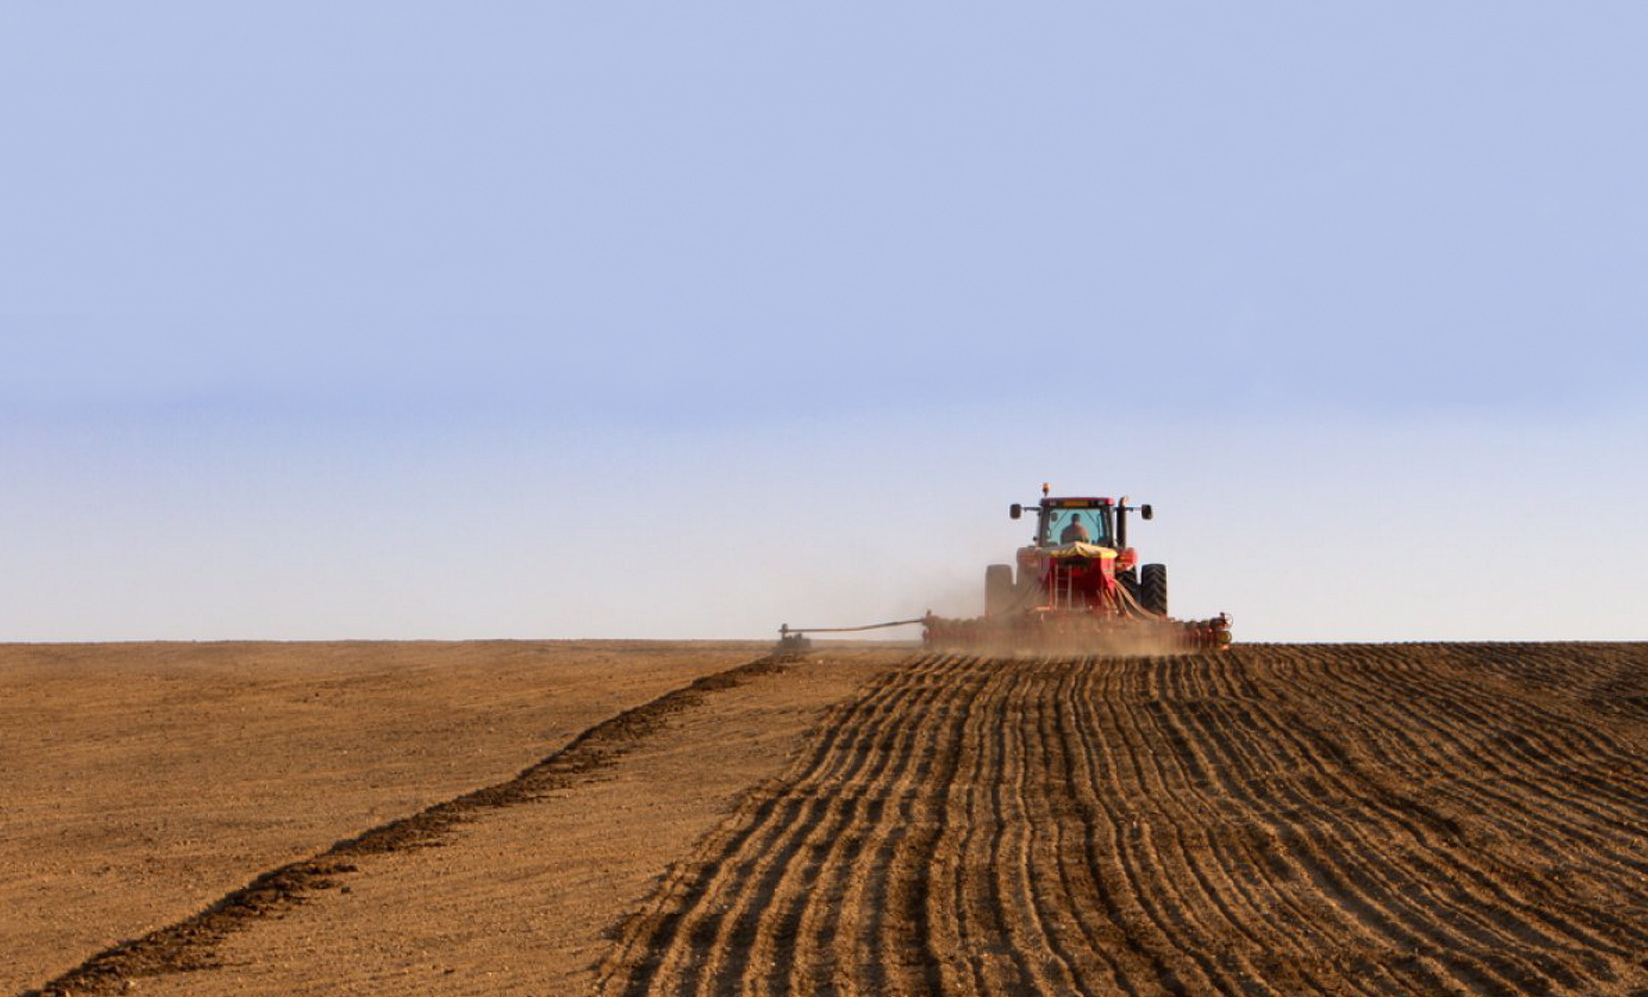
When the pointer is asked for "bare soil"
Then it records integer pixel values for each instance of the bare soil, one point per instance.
(144, 782)
(636, 818)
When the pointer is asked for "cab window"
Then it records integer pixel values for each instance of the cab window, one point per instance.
(1066, 526)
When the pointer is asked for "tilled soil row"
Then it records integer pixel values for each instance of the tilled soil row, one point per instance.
(1291, 819)
(190, 944)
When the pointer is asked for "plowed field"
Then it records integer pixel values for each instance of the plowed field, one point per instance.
(1423, 818)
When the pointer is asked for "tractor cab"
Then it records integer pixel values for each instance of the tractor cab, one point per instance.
(1064, 521)
(1069, 521)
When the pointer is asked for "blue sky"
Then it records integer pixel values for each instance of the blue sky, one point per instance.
(528, 320)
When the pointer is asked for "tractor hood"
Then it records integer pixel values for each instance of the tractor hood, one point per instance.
(1080, 549)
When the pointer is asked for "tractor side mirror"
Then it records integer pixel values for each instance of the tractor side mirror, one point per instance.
(1015, 511)
(1146, 512)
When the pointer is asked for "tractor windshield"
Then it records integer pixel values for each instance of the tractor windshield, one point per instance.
(1067, 526)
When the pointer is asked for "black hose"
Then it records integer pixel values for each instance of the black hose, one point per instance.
(787, 629)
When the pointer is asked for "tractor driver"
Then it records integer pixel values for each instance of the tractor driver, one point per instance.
(1075, 531)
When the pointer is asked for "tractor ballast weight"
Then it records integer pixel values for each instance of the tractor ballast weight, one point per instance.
(1078, 586)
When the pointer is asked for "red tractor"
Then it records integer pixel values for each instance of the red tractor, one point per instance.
(1078, 586)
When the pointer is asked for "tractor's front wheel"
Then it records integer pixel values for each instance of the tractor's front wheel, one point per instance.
(998, 589)
(1153, 588)
(1130, 581)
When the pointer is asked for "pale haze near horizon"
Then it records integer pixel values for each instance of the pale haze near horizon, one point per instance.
(412, 320)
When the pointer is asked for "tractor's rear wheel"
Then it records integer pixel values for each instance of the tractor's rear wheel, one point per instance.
(998, 589)
(1153, 588)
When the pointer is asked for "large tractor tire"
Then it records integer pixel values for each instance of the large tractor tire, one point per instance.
(999, 593)
(1130, 581)
(1153, 588)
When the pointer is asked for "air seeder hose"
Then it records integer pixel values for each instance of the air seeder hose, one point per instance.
(787, 629)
